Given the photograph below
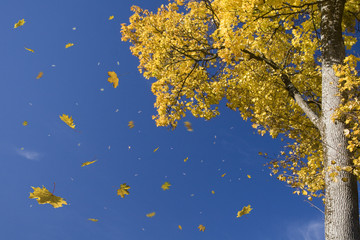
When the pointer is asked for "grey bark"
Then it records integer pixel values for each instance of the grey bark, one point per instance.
(341, 196)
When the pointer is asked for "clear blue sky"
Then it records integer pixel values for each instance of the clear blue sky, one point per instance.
(53, 152)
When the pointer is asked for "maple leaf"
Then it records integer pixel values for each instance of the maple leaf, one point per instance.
(39, 75)
(69, 45)
(43, 196)
(188, 126)
(111, 17)
(156, 149)
(131, 124)
(113, 79)
(19, 23)
(25, 123)
(30, 50)
(93, 219)
(201, 228)
(166, 186)
(245, 210)
(88, 163)
(123, 190)
(150, 215)
(68, 120)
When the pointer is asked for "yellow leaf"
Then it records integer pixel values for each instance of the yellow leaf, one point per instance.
(213, 192)
(19, 23)
(185, 160)
(113, 79)
(131, 124)
(88, 163)
(248, 176)
(111, 17)
(39, 75)
(25, 123)
(245, 210)
(123, 190)
(180, 227)
(166, 186)
(68, 120)
(150, 215)
(30, 50)
(69, 45)
(223, 175)
(201, 228)
(93, 219)
(156, 149)
(43, 196)
(188, 126)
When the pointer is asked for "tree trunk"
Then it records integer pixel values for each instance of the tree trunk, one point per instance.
(341, 195)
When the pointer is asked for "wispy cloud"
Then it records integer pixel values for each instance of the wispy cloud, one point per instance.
(313, 230)
(31, 155)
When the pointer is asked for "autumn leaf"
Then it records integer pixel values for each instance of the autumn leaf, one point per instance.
(156, 149)
(223, 175)
(25, 123)
(93, 219)
(69, 45)
(185, 160)
(245, 210)
(68, 120)
(213, 192)
(123, 190)
(30, 50)
(39, 75)
(111, 17)
(131, 124)
(43, 196)
(88, 163)
(201, 228)
(188, 126)
(166, 186)
(180, 227)
(113, 79)
(150, 215)
(19, 23)
(248, 176)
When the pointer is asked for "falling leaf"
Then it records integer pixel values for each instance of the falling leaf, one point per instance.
(150, 215)
(74, 28)
(93, 219)
(213, 192)
(223, 175)
(185, 160)
(19, 23)
(69, 45)
(123, 190)
(101, 89)
(156, 149)
(131, 124)
(25, 123)
(113, 79)
(39, 75)
(248, 176)
(68, 120)
(30, 50)
(88, 163)
(245, 210)
(111, 17)
(43, 196)
(180, 227)
(201, 228)
(166, 186)
(188, 126)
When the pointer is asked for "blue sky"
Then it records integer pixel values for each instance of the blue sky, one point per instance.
(53, 152)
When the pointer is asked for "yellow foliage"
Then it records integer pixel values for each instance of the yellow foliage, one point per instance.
(39, 75)
(245, 210)
(201, 228)
(123, 190)
(19, 23)
(166, 186)
(69, 45)
(43, 196)
(30, 50)
(68, 120)
(150, 215)
(93, 219)
(113, 79)
(88, 163)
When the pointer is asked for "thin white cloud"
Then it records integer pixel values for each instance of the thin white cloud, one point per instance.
(313, 230)
(31, 155)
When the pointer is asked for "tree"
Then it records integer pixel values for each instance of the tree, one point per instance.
(283, 64)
